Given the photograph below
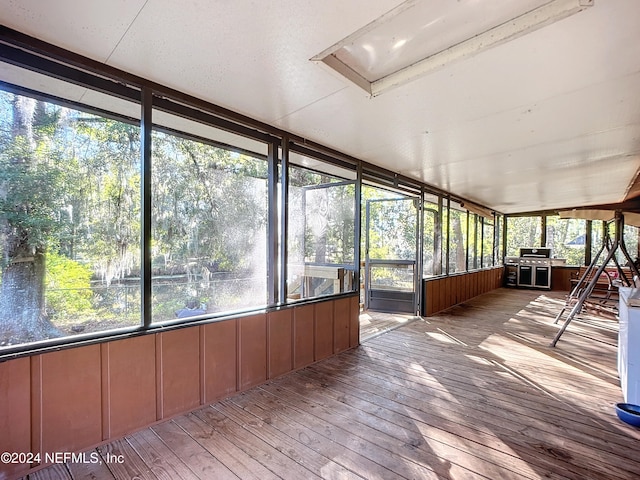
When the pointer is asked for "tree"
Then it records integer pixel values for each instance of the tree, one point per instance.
(103, 157)
(70, 229)
(432, 259)
(457, 252)
(69, 191)
(208, 225)
(522, 232)
(29, 201)
(205, 202)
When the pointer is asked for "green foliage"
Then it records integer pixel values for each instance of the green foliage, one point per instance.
(560, 233)
(105, 194)
(487, 243)
(431, 257)
(392, 224)
(31, 181)
(68, 285)
(391, 235)
(329, 225)
(526, 232)
(206, 201)
(458, 239)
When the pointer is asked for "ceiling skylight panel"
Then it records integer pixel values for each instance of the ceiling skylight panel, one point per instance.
(419, 36)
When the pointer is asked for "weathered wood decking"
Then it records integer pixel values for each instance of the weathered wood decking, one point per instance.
(373, 324)
(474, 392)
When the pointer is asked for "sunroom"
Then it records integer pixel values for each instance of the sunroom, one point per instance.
(332, 240)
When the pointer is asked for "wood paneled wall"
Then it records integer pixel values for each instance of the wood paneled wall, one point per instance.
(561, 277)
(73, 399)
(440, 293)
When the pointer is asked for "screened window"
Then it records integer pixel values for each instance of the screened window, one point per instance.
(432, 237)
(445, 237)
(597, 236)
(69, 221)
(209, 224)
(457, 238)
(473, 243)
(498, 240)
(523, 232)
(488, 237)
(567, 238)
(631, 242)
(321, 230)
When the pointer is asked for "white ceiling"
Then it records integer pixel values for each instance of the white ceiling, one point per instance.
(548, 120)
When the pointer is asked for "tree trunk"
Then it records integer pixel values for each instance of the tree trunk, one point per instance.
(534, 238)
(22, 315)
(461, 259)
(565, 232)
(22, 301)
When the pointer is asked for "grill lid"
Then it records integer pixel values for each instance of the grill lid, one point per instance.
(537, 252)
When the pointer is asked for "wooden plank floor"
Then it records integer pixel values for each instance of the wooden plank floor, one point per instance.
(373, 324)
(474, 392)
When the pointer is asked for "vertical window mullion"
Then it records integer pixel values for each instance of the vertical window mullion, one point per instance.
(448, 245)
(272, 225)
(481, 242)
(357, 230)
(437, 249)
(588, 243)
(145, 154)
(504, 237)
(496, 239)
(468, 238)
(284, 218)
(418, 273)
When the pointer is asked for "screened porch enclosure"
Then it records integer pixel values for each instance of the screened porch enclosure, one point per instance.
(220, 260)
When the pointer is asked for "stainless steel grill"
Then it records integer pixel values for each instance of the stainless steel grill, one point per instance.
(531, 269)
